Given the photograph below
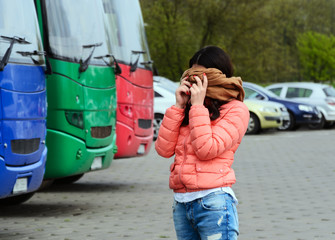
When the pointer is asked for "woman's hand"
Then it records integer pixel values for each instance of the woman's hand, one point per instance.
(183, 93)
(198, 91)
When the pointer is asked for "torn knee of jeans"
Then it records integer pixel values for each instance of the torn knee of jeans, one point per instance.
(216, 236)
(220, 221)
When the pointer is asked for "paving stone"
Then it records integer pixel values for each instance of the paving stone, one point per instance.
(284, 186)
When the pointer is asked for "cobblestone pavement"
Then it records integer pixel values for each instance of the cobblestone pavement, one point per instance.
(285, 187)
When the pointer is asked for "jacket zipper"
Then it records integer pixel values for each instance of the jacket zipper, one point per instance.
(182, 164)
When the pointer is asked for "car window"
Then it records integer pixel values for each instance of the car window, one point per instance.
(167, 84)
(276, 91)
(294, 92)
(263, 92)
(252, 94)
(329, 91)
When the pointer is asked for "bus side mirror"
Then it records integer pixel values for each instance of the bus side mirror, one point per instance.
(117, 68)
(48, 68)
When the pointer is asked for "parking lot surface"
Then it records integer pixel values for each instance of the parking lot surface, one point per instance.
(285, 187)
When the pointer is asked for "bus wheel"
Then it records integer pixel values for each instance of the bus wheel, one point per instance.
(15, 200)
(69, 180)
(46, 183)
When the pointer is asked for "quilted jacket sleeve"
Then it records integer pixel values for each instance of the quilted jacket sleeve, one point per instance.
(169, 132)
(211, 140)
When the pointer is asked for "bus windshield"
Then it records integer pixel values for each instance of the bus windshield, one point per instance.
(18, 21)
(75, 32)
(127, 32)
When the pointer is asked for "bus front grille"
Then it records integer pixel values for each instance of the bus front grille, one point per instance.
(25, 146)
(101, 132)
(144, 123)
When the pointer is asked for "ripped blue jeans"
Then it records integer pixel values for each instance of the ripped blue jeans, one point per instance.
(213, 217)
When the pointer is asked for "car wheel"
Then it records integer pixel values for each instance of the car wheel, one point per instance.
(319, 125)
(15, 200)
(254, 126)
(289, 124)
(329, 124)
(157, 123)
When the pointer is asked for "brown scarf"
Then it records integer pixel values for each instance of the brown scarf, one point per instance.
(219, 86)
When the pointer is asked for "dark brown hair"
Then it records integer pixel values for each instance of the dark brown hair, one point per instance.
(210, 57)
(213, 57)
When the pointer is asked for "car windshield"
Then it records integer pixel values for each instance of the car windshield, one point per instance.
(74, 31)
(127, 33)
(18, 20)
(260, 90)
(329, 91)
(166, 84)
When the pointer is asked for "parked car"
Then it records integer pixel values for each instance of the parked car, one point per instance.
(300, 113)
(166, 83)
(164, 97)
(265, 115)
(320, 95)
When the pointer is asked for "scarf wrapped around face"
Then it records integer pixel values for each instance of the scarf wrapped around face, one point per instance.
(219, 86)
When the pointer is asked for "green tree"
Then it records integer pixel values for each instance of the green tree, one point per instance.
(317, 56)
(168, 35)
(260, 35)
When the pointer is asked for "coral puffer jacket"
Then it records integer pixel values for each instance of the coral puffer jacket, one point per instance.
(204, 150)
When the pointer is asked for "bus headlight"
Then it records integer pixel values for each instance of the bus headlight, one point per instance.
(75, 118)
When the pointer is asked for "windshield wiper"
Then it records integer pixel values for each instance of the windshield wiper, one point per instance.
(84, 64)
(133, 65)
(117, 68)
(31, 54)
(8, 52)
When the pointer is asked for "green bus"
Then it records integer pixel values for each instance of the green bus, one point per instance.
(81, 90)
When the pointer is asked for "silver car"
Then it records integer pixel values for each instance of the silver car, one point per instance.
(320, 95)
(164, 90)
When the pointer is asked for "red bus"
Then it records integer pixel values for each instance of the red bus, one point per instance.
(134, 127)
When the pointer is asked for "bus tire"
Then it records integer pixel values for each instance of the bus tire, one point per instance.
(16, 200)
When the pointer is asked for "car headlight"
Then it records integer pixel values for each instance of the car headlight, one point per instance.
(305, 108)
(268, 109)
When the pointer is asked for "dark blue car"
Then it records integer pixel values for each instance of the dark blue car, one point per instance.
(300, 113)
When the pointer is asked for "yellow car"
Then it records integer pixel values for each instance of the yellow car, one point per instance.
(265, 114)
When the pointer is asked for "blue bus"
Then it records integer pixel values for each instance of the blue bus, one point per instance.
(22, 102)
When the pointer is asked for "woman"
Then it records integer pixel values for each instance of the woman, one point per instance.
(203, 130)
